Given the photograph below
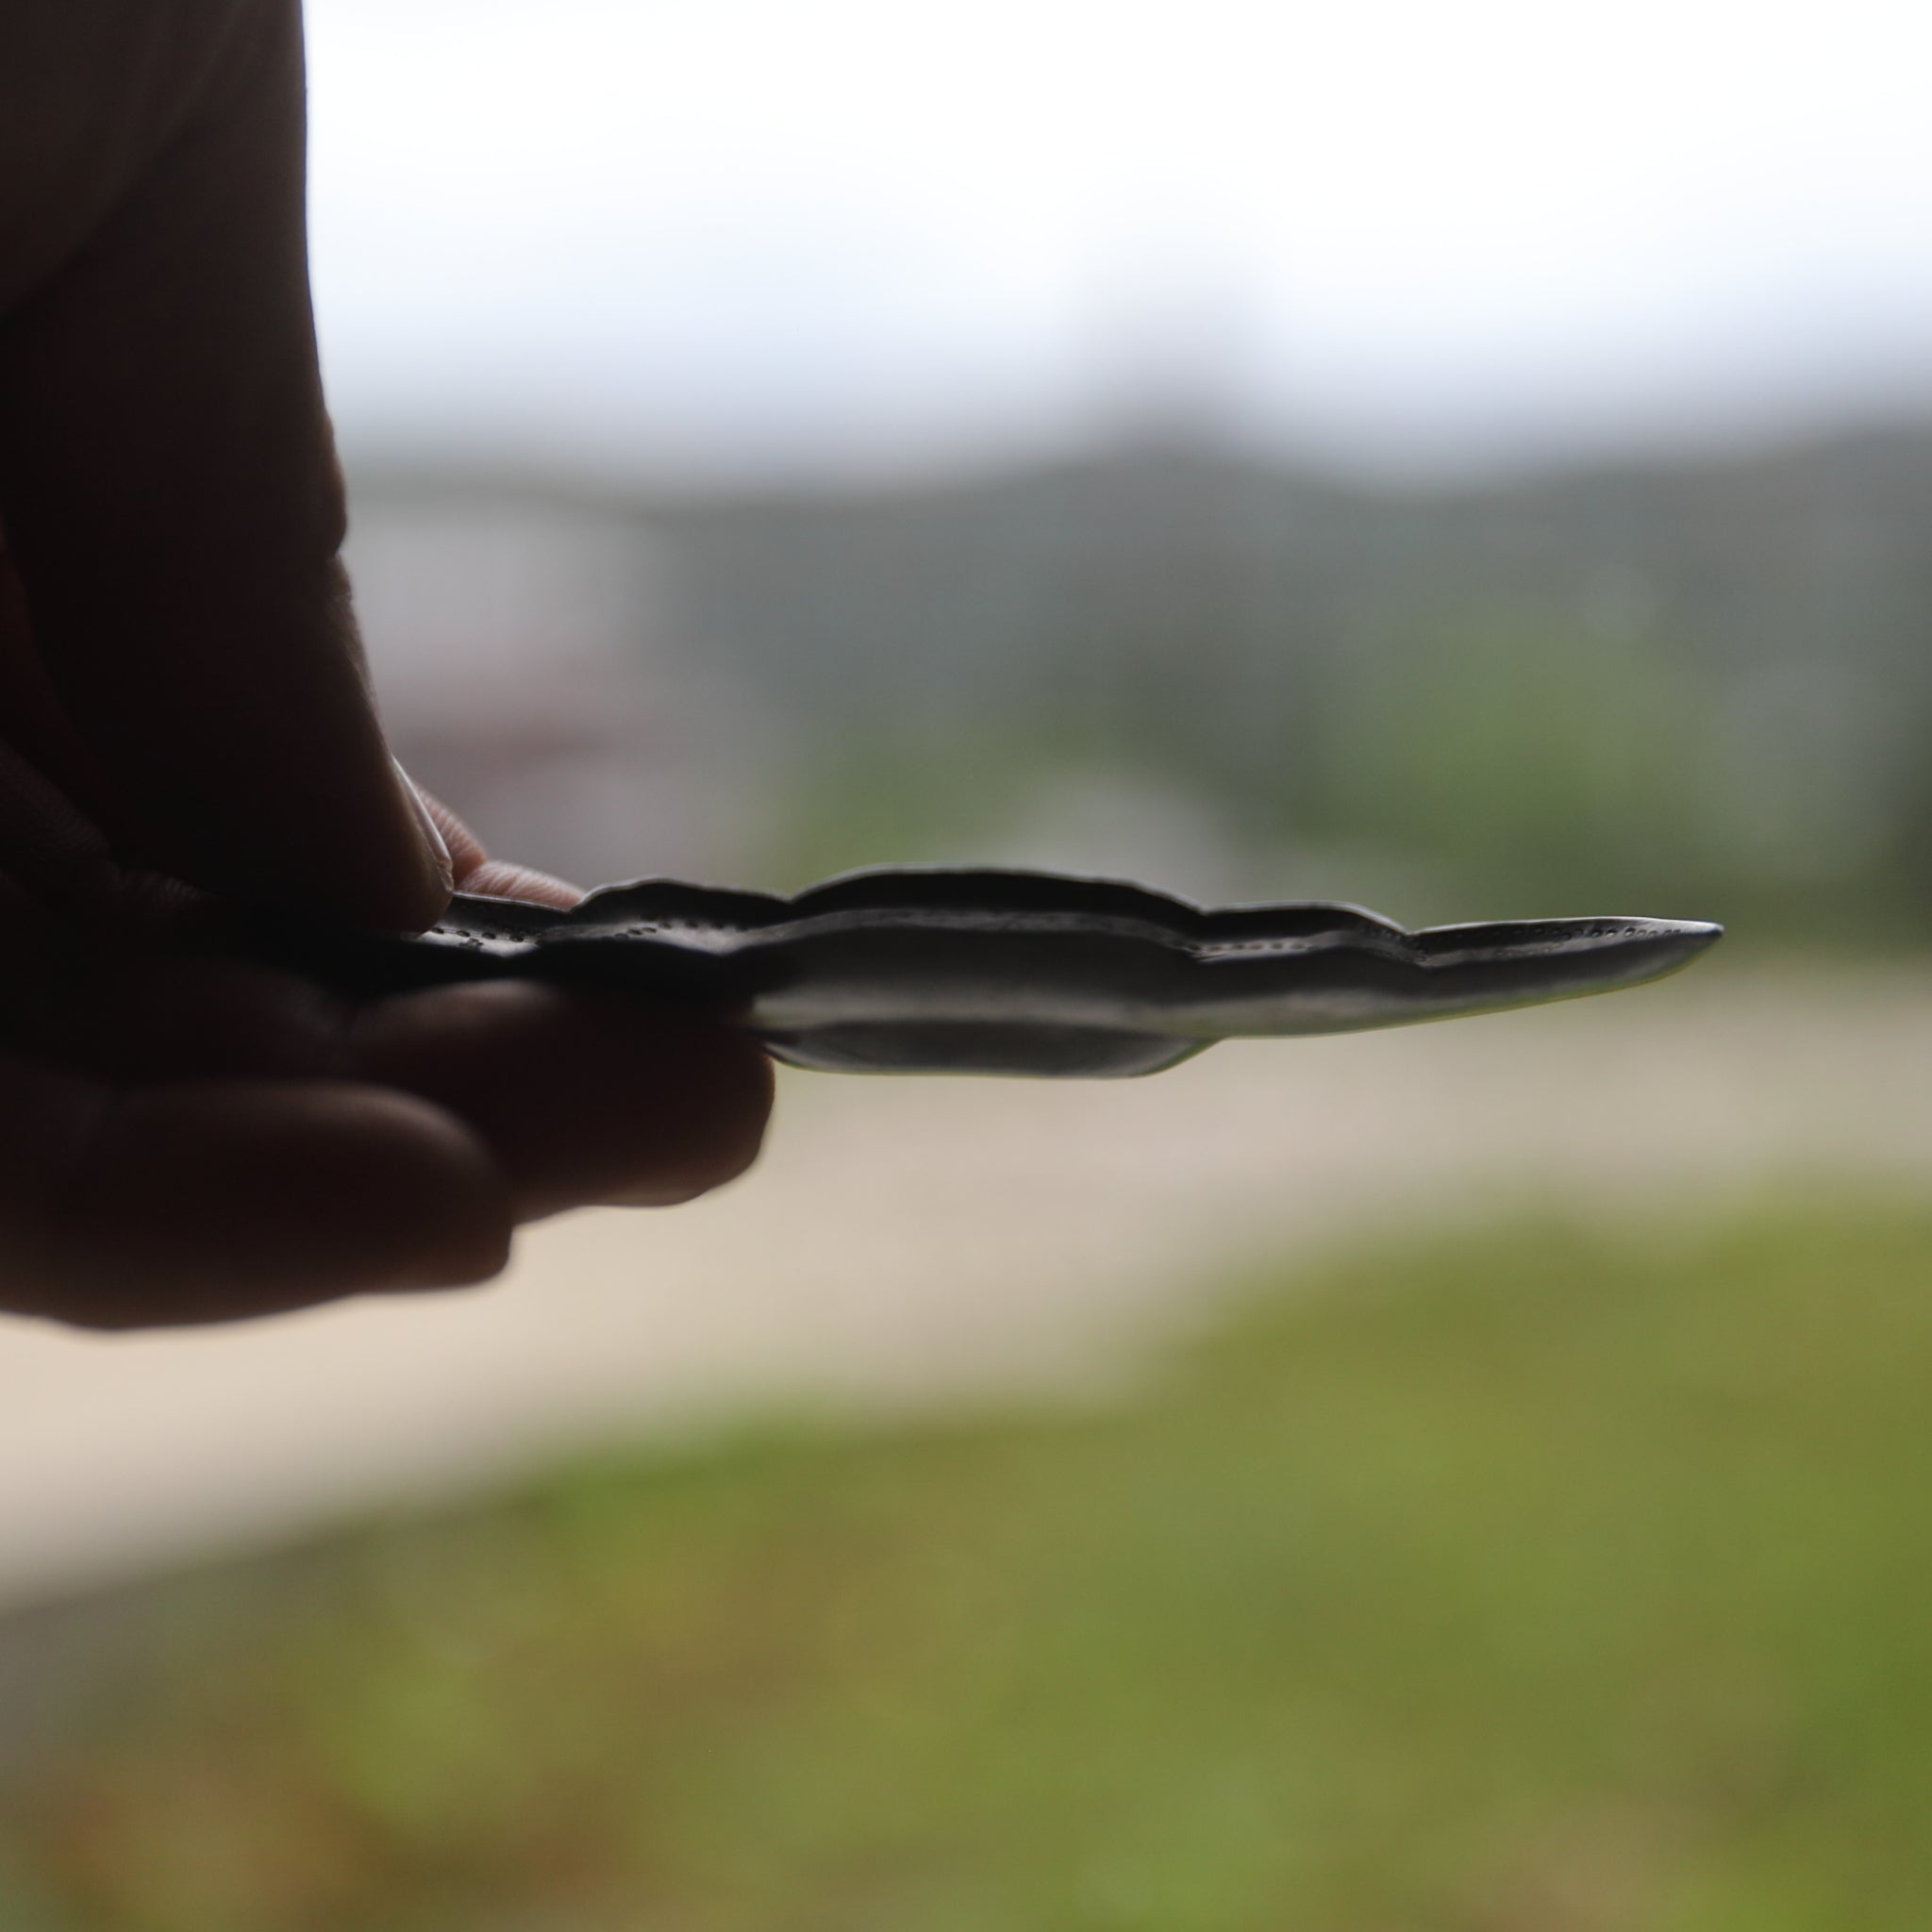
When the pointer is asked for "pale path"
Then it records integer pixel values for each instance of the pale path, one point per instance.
(906, 1240)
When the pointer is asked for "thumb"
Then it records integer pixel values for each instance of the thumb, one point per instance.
(167, 475)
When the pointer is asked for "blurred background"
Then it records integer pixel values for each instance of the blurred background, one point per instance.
(1471, 461)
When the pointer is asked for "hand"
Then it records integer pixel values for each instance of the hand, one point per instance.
(185, 1137)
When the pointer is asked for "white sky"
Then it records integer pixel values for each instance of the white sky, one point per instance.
(804, 233)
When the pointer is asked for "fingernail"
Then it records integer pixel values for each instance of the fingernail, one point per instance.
(432, 838)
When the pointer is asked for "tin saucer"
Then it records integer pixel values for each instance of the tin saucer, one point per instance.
(1017, 972)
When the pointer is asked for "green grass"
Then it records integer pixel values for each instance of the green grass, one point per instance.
(1536, 1581)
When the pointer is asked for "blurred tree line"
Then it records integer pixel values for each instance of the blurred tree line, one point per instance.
(1700, 686)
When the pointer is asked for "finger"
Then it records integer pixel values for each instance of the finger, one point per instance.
(223, 1199)
(476, 871)
(579, 1098)
(498, 879)
(143, 1019)
(501, 879)
(168, 482)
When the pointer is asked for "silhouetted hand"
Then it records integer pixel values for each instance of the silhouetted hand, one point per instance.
(184, 1136)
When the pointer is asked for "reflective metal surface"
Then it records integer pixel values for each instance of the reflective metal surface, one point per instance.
(1019, 972)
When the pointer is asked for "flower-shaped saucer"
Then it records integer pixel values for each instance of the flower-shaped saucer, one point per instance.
(981, 972)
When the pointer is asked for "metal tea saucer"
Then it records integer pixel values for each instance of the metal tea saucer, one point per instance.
(1017, 972)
